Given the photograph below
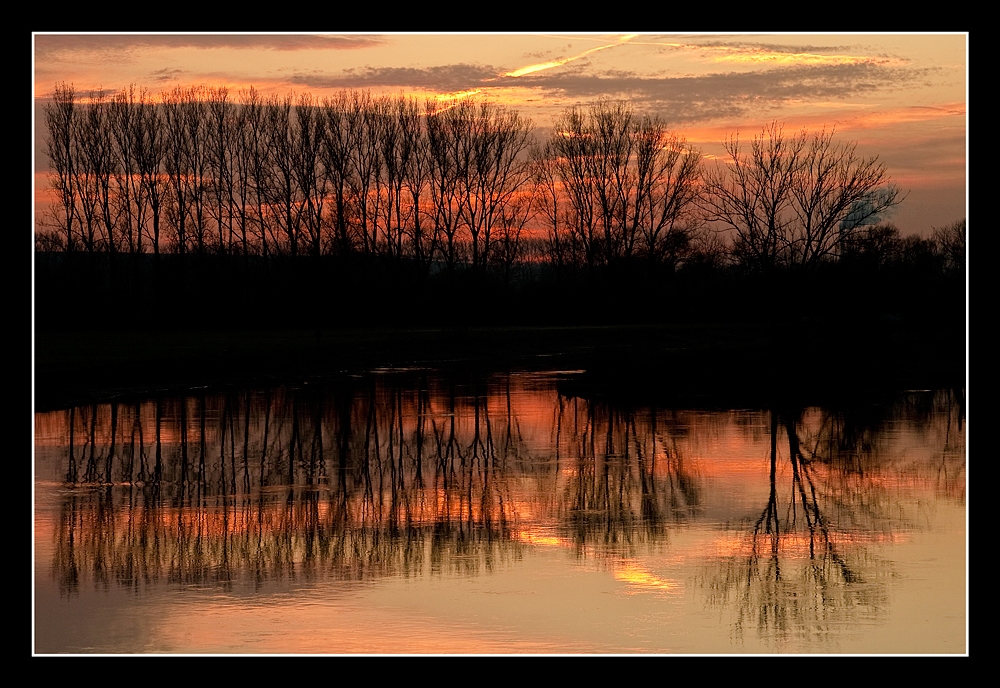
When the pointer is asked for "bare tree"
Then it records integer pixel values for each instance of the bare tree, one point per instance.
(187, 166)
(99, 161)
(547, 199)
(85, 182)
(508, 242)
(793, 200)
(124, 118)
(194, 107)
(950, 240)
(444, 134)
(365, 172)
(258, 151)
(496, 168)
(836, 191)
(339, 133)
(416, 173)
(310, 174)
(629, 184)
(220, 146)
(242, 174)
(667, 191)
(392, 166)
(61, 117)
(405, 164)
(284, 190)
(176, 164)
(150, 151)
(611, 127)
(753, 195)
(571, 148)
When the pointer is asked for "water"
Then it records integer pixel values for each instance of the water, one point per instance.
(410, 511)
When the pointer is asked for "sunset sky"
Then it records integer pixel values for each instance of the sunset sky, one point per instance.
(901, 96)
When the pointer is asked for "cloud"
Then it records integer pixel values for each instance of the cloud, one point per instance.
(161, 75)
(755, 53)
(53, 45)
(772, 47)
(559, 62)
(458, 77)
(677, 98)
(941, 151)
(730, 94)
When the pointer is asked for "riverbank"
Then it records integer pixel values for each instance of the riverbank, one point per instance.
(682, 360)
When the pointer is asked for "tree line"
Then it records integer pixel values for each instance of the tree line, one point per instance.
(197, 170)
(237, 206)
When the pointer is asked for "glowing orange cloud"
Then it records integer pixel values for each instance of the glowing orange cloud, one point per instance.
(756, 55)
(450, 100)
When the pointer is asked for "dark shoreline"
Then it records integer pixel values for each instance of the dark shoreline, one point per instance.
(714, 364)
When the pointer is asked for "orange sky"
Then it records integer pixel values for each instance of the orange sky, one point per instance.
(901, 96)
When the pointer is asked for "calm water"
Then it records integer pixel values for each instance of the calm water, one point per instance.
(409, 512)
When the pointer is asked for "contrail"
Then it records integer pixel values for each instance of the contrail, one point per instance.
(450, 100)
(531, 69)
(453, 98)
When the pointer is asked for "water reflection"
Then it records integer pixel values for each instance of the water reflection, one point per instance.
(409, 474)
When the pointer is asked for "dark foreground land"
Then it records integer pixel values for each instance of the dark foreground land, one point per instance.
(736, 363)
(135, 325)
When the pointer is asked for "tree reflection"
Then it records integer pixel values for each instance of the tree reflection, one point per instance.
(241, 486)
(806, 562)
(412, 474)
(628, 481)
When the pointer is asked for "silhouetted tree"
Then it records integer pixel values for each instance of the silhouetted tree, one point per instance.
(552, 207)
(416, 172)
(150, 148)
(85, 175)
(629, 184)
(123, 119)
(61, 121)
(447, 166)
(872, 247)
(791, 200)
(259, 153)
(508, 244)
(242, 174)
(311, 176)
(196, 128)
(392, 165)
(220, 152)
(285, 193)
(339, 133)
(187, 166)
(366, 172)
(950, 240)
(668, 180)
(99, 163)
(177, 165)
(494, 168)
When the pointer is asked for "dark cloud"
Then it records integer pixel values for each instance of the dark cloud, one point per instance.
(161, 75)
(733, 94)
(774, 47)
(944, 152)
(457, 77)
(51, 45)
(679, 98)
